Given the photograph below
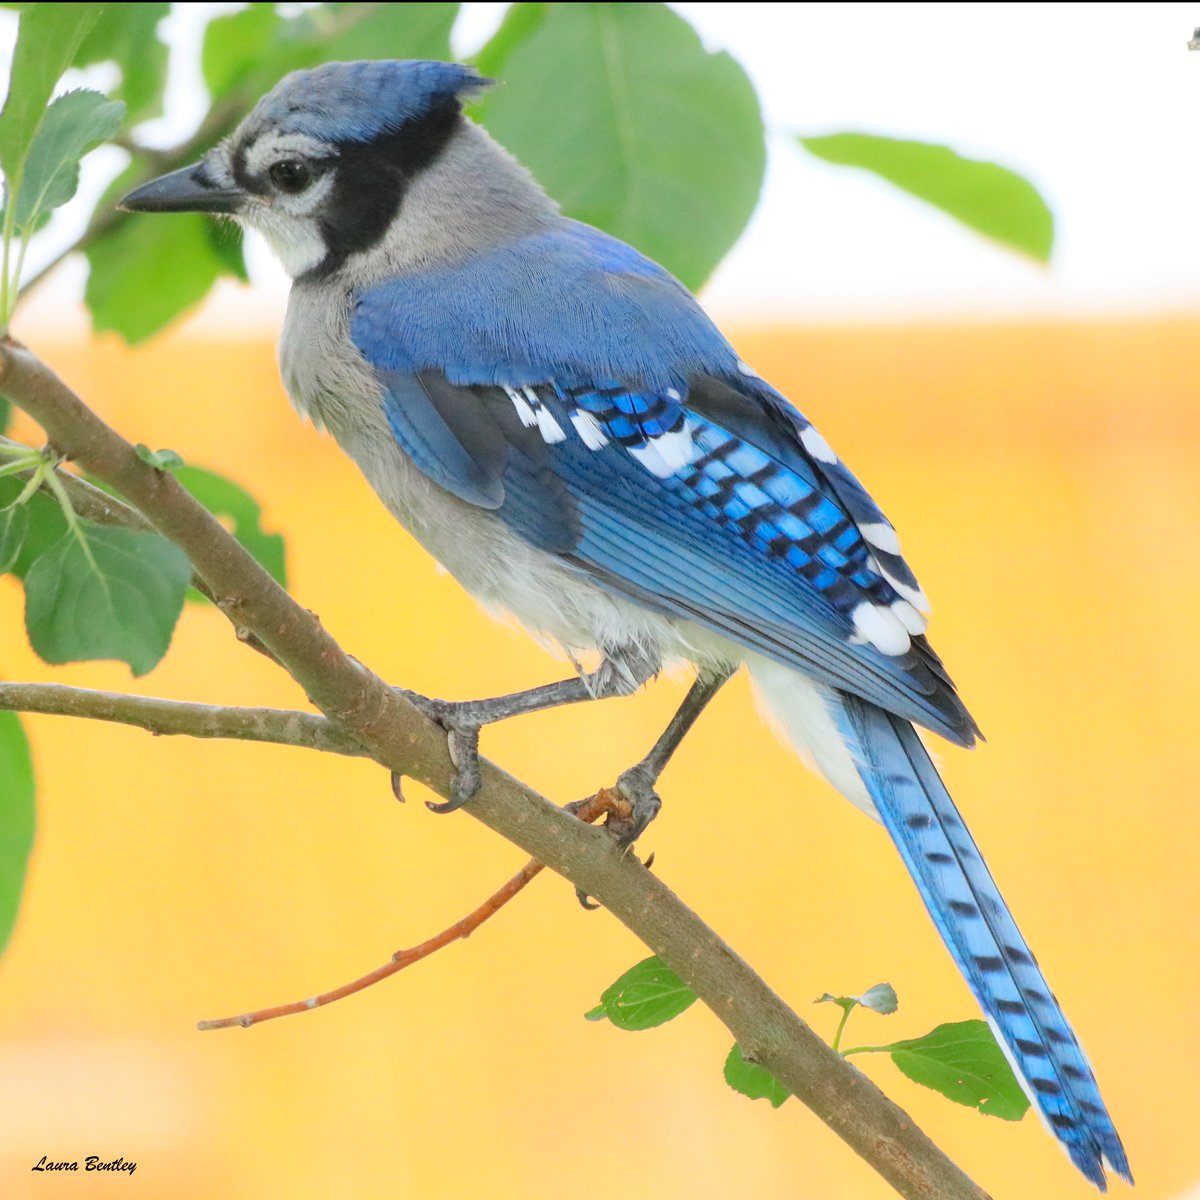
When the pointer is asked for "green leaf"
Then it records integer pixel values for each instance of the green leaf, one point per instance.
(47, 39)
(45, 523)
(14, 525)
(224, 498)
(631, 125)
(16, 819)
(648, 994)
(596, 1014)
(520, 22)
(225, 241)
(106, 594)
(963, 1062)
(75, 123)
(253, 49)
(127, 34)
(394, 31)
(752, 1080)
(162, 460)
(148, 271)
(881, 999)
(235, 45)
(844, 1002)
(986, 197)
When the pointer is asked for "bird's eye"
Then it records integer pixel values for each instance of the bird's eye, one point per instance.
(292, 175)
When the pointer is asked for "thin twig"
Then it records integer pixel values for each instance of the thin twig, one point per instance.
(402, 739)
(590, 810)
(280, 726)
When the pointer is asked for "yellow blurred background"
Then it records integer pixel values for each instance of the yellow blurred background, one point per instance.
(1044, 479)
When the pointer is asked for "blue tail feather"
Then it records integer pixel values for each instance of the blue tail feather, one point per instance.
(979, 931)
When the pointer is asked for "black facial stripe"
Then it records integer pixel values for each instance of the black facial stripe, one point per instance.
(243, 178)
(372, 178)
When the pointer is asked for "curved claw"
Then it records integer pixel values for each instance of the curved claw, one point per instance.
(585, 900)
(463, 743)
(644, 804)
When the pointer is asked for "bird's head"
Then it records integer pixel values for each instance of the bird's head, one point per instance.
(321, 164)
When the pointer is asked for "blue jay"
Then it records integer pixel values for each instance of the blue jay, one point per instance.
(554, 418)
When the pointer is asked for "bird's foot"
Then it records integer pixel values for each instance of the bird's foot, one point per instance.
(636, 787)
(624, 819)
(462, 722)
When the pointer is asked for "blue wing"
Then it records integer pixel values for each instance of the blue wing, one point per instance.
(623, 435)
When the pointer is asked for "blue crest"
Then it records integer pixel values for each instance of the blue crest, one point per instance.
(360, 101)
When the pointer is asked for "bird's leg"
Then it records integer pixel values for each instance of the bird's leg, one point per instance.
(637, 784)
(620, 673)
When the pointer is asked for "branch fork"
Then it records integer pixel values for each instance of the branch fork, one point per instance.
(364, 716)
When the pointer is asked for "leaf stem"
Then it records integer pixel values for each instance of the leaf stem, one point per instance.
(847, 1009)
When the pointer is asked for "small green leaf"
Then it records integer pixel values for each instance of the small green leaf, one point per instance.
(632, 126)
(47, 38)
(986, 197)
(162, 460)
(963, 1062)
(881, 999)
(14, 525)
(106, 594)
(224, 498)
(843, 1002)
(16, 819)
(75, 123)
(648, 994)
(752, 1080)
(148, 271)
(595, 1014)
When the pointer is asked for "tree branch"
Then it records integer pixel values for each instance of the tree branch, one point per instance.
(283, 727)
(404, 740)
(588, 810)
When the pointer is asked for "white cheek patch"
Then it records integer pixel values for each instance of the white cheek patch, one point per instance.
(667, 454)
(297, 241)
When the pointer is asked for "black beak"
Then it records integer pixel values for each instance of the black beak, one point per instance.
(186, 190)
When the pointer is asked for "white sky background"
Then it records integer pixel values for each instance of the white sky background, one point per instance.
(1098, 104)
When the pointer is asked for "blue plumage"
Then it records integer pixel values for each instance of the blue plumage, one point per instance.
(754, 535)
(359, 102)
(607, 469)
(979, 931)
